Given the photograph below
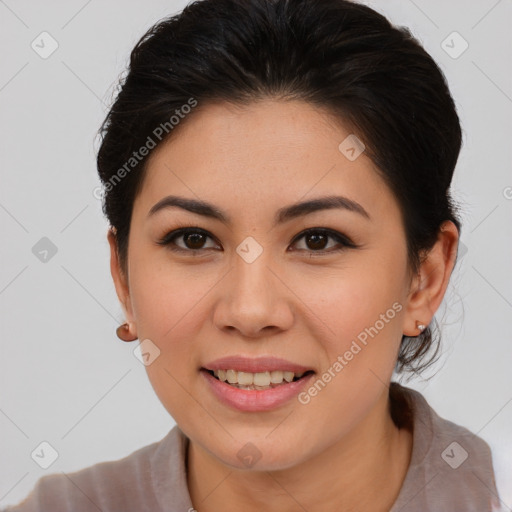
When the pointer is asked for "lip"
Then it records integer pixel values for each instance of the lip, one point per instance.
(255, 365)
(255, 400)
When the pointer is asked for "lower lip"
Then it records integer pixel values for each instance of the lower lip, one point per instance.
(257, 399)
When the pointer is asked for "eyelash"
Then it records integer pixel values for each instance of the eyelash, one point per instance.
(168, 240)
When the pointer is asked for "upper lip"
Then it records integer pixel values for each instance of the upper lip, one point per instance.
(255, 365)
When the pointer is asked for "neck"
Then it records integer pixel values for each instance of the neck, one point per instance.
(362, 471)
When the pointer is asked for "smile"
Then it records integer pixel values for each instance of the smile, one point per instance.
(253, 397)
(256, 381)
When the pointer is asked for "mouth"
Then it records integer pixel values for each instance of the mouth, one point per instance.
(259, 381)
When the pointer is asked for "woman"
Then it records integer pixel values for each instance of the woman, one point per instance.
(276, 178)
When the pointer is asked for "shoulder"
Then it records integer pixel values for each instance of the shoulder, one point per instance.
(450, 465)
(123, 484)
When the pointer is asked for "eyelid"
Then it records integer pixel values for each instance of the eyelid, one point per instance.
(342, 239)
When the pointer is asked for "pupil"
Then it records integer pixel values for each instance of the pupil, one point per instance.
(196, 238)
(317, 245)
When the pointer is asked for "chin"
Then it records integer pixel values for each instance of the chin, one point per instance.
(276, 462)
(260, 454)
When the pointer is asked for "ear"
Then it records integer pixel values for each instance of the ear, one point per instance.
(120, 279)
(429, 285)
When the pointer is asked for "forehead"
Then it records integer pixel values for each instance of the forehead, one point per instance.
(261, 156)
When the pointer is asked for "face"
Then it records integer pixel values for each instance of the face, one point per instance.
(332, 300)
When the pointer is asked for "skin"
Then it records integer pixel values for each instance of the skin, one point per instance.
(341, 451)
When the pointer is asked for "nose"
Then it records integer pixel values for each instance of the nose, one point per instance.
(254, 301)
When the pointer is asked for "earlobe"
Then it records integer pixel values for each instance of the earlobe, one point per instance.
(429, 285)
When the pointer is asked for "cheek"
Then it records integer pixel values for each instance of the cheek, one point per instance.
(362, 318)
(166, 297)
(172, 309)
(167, 308)
(363, 313)
(357, 303)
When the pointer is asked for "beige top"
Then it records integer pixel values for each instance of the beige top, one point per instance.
(451, 470)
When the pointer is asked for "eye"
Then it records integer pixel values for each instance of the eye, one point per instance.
(194, 238)
(316, 239)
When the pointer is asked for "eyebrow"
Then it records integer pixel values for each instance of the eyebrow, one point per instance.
(284, 214)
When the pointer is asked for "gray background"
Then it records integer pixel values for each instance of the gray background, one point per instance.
(64, 376)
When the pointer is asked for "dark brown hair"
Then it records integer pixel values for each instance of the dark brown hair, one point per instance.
(340, 56)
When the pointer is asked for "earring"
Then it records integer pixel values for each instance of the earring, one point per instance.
(420, 327)
(123, 333)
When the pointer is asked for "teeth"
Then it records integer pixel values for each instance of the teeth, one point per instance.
(246, 379)
(255, 380)
(288, 376)
(261, 379)
(276, 377)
